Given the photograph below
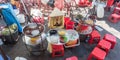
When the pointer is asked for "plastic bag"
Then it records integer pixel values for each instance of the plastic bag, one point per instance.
(44, 2)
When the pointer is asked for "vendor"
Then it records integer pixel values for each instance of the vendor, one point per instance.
(15, 3)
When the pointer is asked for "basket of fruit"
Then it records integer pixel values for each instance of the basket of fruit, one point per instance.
(10, 34)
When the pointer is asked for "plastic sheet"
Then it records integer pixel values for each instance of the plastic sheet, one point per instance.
(9, 16)
(44, 1)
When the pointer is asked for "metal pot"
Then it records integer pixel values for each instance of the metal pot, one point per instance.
(28, 39)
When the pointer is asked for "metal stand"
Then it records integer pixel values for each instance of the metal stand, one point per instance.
(37, 49)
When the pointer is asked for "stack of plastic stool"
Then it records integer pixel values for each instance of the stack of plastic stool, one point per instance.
(105, 45)
(111, 39)
(97, 54)
(114, 18)
(116, 10)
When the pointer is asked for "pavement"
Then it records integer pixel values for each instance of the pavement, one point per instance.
(82, 51)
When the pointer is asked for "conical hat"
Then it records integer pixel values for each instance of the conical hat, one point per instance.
(56, 12)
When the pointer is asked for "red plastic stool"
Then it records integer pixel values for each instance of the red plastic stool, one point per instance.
(97, 53)
(116, 10)
(117, 4)
(114, 18)
(66, 19)
(110, 3)
(111, 39)
(72, 58)
(94, 37)
(105, 45)
(70, 25)
(57, 50)
(84, 3)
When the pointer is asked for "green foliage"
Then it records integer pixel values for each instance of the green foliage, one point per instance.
(9, 30)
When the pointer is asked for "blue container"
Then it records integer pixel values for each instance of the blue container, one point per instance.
(1, 58)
